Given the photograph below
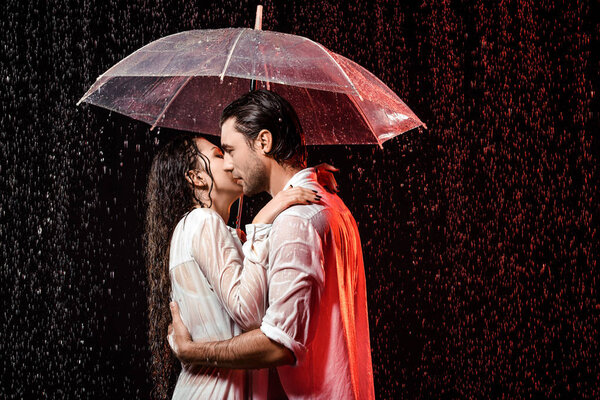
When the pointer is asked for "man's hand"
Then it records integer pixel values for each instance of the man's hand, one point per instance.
(179, 337)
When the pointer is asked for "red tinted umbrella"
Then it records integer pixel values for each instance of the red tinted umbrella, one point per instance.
(184, 81)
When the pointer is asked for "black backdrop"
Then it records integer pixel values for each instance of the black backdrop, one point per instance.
(479, 233)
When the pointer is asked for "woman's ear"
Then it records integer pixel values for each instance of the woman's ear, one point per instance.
(264, 141)
(196, 178)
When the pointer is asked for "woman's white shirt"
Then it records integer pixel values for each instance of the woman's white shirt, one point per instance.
(203, 246)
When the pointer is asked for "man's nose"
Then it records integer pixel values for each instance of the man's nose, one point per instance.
(227, 163)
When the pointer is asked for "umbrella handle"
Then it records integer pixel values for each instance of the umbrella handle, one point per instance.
(238, 220)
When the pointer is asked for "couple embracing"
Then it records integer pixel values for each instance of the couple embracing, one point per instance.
(292, 296)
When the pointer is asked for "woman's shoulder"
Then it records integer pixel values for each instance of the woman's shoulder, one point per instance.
(199, 217)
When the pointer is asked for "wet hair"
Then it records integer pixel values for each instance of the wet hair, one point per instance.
(262, 109)
(169, 197)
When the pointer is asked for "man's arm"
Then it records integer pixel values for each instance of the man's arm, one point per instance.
(296, 283)
(248, 350)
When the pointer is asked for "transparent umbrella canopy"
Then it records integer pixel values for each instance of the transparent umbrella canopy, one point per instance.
(185, 80)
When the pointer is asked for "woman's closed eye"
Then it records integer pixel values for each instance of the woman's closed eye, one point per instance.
(218, 153)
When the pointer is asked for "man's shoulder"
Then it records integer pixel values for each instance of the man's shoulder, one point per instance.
(319, 215)
(301, 211)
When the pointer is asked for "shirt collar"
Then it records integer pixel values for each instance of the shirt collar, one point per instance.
(304, 176)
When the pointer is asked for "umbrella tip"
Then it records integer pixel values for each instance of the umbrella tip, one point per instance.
(258, 20)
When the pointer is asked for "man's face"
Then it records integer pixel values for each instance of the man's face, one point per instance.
(243, 161)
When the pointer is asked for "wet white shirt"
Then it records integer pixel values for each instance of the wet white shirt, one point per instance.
(317, 298)
(203, 246)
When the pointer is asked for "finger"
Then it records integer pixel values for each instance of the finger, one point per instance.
(317, 194)
(310, 196)
(306, 193)
(300, 195)
(171, 340)
(301, 198)
(300, 191)
(175, 316)
(330, 167)
(332, 187)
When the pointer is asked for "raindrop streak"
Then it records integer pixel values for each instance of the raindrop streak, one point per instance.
(480, 251)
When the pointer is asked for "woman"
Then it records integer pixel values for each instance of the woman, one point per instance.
(189, 198)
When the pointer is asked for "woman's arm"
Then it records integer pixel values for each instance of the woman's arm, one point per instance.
(240, 280)
(283, 200)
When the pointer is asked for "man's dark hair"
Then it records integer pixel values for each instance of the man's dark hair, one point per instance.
(262, 109)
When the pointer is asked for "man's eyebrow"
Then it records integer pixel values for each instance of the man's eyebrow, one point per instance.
(226, 147)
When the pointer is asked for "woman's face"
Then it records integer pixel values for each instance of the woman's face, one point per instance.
(224, 184)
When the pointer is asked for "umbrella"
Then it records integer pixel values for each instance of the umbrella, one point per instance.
(184, 81)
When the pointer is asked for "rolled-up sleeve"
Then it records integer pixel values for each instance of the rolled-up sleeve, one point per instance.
(239, 282)
(256, 248)
(296, 281)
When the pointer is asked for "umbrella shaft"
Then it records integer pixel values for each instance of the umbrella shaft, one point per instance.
(238, 220)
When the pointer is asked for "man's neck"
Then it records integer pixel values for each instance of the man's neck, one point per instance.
(279, 176)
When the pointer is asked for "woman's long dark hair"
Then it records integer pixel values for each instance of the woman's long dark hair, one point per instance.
(169, 198)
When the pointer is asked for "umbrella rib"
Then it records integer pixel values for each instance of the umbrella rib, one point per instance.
(313, 107)
(90, 91)
(230, 54)
(339, 66)
(164, 110)
(362, 114)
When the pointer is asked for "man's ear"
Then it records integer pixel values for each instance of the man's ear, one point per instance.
(264, 141)
(196, 178)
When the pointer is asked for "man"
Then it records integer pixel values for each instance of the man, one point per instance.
(315, 329)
